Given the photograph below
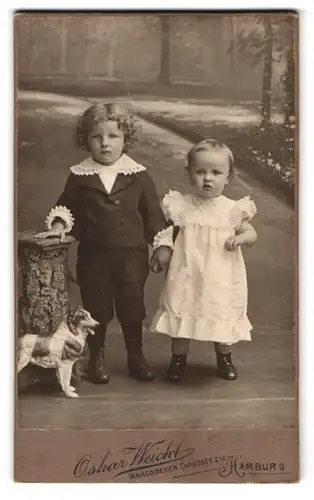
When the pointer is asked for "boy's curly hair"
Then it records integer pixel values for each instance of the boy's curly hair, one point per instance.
(212, 145)
(101, 112)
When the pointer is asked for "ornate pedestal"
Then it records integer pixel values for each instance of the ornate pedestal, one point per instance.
(43, 283)
(42, 292)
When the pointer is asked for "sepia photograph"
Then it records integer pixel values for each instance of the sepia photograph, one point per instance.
(156, 279)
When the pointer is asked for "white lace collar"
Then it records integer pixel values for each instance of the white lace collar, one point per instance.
(125, 165)
(191, 209)
(200, 202)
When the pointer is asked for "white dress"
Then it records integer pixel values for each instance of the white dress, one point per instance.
(205, 292)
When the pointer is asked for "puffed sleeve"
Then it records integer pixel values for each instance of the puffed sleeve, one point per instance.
(244, 209)
(170, 205)
(174, 206)
(66, 206)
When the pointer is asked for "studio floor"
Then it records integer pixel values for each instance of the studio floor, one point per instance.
(262, 396)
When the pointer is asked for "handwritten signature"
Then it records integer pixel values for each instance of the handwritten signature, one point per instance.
(145, 456)
(166, 456)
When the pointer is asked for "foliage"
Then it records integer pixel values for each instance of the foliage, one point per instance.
(273, 149)
(252, 40)
(271, 39)
(249, 41)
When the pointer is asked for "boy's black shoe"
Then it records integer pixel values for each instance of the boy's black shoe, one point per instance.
(96, 367)
(137, 364)
(176, 367)
(225, 367)
(139, 368)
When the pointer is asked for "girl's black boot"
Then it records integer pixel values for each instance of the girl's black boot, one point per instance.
(225, 367)
(176, 367)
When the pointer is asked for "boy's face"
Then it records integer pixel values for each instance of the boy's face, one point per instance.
(106, 142)
(209, 172)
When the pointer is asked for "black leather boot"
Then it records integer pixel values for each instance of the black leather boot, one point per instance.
(137, 364)
(96, 367)
(139, 368)
(176, 367)
(97, 373)
(225, 367)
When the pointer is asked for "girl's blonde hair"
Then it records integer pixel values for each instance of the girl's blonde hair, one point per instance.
(211, 145)
(102, 112)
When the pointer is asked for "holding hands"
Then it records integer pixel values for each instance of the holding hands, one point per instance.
(160, 259)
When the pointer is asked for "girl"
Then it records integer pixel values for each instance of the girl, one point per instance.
(110, 205)
(205, 294)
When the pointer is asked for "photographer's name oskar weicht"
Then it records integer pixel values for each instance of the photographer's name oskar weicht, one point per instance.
(156, 458)
(146, 456)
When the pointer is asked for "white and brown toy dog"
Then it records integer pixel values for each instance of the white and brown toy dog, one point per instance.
(60, 350)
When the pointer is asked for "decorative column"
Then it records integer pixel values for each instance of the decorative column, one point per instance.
(63, 44)
(43, 283)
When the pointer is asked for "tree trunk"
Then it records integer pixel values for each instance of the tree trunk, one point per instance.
(110, 66)
(232, 42)
(63, 40)
(267, 73)
(290, 76)
(164, 75)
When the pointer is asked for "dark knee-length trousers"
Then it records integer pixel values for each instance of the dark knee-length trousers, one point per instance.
(112, 281)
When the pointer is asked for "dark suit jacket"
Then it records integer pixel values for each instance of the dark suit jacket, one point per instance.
(128, 217)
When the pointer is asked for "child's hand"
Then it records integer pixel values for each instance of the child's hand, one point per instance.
(160, 259)
(232, 243)
(246, 236)
(57, 231)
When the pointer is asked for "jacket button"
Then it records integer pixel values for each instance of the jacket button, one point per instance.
(117, 202)
(121, 222)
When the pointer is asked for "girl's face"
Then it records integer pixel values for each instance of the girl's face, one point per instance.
(106, 142)
(209, 172)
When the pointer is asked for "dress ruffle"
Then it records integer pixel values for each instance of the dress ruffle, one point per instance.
(174, 206)
(244, 209)
(203, 329)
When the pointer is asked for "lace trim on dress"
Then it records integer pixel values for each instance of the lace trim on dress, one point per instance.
(124, 165)
(219, 212)
(204, 329)
(190, 209)
(164, 238)
(63, 213)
